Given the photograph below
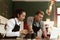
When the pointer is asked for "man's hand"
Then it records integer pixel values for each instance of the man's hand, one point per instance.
(24, 31)
(45, 35)
(31, 32)
(37, 38)
(47, 38)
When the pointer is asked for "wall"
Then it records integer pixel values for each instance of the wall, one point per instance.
(6, 8)
(32, 7)
(9, 8)
(35, 0)
(30, 0)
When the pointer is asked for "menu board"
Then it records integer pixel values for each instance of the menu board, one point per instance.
(3, 7)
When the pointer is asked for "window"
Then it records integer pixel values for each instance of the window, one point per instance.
(58, 17)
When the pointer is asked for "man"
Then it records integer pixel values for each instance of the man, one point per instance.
(35, 24)
(14, 26)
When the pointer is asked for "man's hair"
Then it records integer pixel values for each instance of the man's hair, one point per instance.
(19, 11)
(39, 12)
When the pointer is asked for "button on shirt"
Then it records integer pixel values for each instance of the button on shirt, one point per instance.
(10, 27)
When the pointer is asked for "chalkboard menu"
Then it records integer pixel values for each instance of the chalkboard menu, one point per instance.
(3, 7)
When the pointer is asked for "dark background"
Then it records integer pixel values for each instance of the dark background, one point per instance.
(30, 7)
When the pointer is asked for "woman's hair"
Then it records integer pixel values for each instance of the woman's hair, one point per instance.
(19, 11)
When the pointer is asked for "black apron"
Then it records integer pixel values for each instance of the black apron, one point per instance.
(35, 27)
(16, 28)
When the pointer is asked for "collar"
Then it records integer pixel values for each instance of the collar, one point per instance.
(18, 22)
(36, 21)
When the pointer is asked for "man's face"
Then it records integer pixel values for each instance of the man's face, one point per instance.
(39, 17)
(22, 16)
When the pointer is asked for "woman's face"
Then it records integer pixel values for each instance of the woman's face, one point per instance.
(21, 17)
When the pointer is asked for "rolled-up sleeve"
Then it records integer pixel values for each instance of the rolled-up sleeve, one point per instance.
(29, 21)
(9, 28)
(42, 25)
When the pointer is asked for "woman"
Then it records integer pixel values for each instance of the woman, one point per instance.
(15, 25)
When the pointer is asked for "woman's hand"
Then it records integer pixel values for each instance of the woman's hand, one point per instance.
(25, 31)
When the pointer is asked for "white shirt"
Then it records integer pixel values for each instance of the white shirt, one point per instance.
(10, 26)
